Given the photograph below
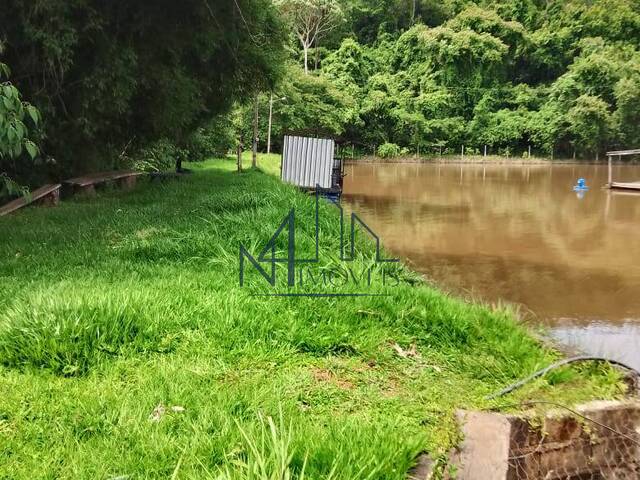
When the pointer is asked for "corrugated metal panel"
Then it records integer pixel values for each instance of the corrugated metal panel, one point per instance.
(307, 162)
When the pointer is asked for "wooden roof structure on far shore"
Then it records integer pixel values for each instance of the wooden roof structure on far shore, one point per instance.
(621, 185)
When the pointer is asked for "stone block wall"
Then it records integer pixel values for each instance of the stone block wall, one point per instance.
(601, 440)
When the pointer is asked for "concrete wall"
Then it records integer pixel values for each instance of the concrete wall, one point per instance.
(602, 442)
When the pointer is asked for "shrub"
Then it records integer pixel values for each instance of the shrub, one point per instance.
(388, 150)
(158, 156)
(215, 139)
(69, 334)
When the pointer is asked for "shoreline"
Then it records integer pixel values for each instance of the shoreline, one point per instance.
(478, 160)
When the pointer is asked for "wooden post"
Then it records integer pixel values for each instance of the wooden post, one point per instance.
(270, 121)
(610, 170)
(128, 183)
(52, 199)
(529, 152)
(485, 150)
(254, 157)
(88, 190)
(462, 157)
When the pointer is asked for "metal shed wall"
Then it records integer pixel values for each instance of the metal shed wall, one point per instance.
(307, 162)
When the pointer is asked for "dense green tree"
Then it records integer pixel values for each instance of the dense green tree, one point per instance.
(589, 122)
(548, 128)
(310, 21)
(627, 115)
(303, 105)
(111, 76)
(350, 65)
(314, 105)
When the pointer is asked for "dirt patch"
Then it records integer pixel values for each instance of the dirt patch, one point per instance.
(322, 375)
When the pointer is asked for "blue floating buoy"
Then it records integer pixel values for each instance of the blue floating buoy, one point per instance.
(581, 186)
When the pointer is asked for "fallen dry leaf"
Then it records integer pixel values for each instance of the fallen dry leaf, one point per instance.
(157, 413)
(161, 410)
(411, 353)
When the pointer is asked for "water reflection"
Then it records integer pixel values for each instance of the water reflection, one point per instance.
(602, 339)
(517, 233)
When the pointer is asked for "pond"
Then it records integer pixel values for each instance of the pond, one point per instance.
(518, 234)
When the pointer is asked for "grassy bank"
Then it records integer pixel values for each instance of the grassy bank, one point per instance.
(129, 349)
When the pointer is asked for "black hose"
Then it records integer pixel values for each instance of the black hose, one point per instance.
(561, 363)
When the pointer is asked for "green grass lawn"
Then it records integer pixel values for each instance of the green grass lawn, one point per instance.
(115, 305)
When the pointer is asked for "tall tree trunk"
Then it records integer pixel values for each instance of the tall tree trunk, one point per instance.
(305, 47)
(254, 157)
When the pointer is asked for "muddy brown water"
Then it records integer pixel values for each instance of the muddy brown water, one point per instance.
(518, 234)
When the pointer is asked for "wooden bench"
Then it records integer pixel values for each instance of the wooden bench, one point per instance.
(46, 195)
(161, 176)
(87, 183)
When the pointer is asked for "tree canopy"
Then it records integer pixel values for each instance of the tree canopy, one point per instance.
(113, 79)
(559, 76)
(110, 77)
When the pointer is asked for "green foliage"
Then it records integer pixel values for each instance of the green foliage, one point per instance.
(626, 118)
(215, 139)
(414, 73)
(14, 113)
(159, 156)
(350, 65)
(589, 122)
(505, 74)
(18, 121)
(388, 150)
(311, 105)
(108, 76)
(369, 19)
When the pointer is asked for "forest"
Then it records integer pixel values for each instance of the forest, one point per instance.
(90, 85)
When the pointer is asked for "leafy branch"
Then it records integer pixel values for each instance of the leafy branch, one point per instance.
(18, 119)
